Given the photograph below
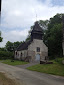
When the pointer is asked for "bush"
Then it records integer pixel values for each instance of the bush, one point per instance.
(6, 55)
(59, 60)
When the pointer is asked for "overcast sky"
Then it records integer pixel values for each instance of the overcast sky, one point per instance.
(18, 15)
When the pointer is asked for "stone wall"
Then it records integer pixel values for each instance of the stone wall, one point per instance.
(31, 54)
(43, 55)
(21, 55)
(38, 43)
(43, 49)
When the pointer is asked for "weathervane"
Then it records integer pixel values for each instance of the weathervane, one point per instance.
(36, 17)
(36, 14)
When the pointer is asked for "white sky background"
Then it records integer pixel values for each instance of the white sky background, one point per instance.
(18, 15)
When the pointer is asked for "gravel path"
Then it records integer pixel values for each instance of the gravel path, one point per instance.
(26, 77)
(26, 65)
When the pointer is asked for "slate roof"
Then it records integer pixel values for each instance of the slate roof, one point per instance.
(36, 27)
(23, 46)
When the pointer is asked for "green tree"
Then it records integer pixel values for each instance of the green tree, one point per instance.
(16, 44)
(43, 24)
(55, 41)
(12, 46)
(2, 49)
(9, 46)
(0, 37)
(53, 36)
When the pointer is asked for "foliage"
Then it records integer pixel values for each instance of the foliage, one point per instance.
(0, 37)
(16, 62)
(59, 60)
(53, 36)
(7, 51)
(6, 55)
(12, 46)
(55, 40)
(16, 44)
(43, 24)
(3, 49)
(9, 46)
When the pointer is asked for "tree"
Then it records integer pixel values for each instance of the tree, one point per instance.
(0, 37)
(43, 24)
(16, 44)
(12, 46)
(2, 49)
(53, 36)
(55, 41)
(9, 46)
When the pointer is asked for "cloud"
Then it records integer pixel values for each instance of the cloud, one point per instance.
(19, 15)
(13, 36)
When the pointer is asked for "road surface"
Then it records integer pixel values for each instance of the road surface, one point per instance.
(26, 77)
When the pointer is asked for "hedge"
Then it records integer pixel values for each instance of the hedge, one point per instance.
(6, 55)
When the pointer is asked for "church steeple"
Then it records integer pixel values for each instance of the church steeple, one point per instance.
(37, 32)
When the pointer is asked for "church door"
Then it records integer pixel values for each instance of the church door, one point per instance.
(37, 57)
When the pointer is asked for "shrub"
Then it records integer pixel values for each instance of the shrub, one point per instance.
(59, 60)
(6, 55)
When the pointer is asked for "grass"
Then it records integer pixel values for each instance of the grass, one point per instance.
(16, 62)
(6, 81)
(57, 68)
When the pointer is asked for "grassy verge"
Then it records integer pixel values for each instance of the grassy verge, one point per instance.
(6, 81)
(16, 62)
(57, 68)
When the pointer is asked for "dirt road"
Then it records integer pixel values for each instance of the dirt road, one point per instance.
(26, 77)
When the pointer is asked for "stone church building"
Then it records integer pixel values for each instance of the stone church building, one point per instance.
(33, 50)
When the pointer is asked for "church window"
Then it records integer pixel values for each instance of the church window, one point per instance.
(38, 49)
(21, 53)
(16, 53)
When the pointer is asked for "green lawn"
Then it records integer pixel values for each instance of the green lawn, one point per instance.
(16, 62)
(56, 69)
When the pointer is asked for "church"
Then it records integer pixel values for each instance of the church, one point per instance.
(33, 50)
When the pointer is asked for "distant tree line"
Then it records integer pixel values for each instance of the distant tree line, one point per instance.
(7, 52)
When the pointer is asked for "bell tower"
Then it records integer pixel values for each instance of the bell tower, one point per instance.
(37, 32)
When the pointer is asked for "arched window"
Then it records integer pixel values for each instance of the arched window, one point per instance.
(21, 53)
(16, 53)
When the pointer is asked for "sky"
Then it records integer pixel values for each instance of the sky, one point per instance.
(18, 16)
